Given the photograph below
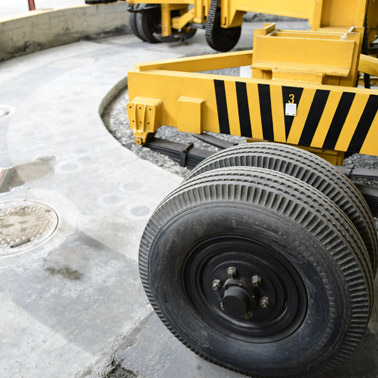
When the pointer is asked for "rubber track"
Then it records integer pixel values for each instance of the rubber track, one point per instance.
(210, 23)
(297, 202)
(309, 168)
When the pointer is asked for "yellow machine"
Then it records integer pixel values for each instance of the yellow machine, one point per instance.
(263, 260)
(155, 21)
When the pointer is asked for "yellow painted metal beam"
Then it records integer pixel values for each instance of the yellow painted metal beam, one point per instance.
(166, 27)
(301, 92)
(180, 22)
(293, 8)
(320, 13)
(201, 63)
(368, 64)
(328, 117)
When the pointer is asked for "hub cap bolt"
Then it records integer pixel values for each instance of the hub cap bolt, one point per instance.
(256, 280)
(216, 285)
(264, 302)
(231, 271)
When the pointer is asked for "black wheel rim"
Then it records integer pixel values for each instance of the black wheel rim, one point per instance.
(263, 311)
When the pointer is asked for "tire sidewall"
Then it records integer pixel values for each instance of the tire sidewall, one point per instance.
(327, 316)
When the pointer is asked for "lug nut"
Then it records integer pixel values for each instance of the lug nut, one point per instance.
(216, 285)
(256, 280)
(231, 271)
(264, 302)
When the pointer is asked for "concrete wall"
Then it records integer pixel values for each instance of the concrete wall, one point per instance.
(44, 29)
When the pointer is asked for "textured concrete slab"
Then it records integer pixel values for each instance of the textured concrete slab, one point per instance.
(41, 29)
(151, 351)
(64, 301)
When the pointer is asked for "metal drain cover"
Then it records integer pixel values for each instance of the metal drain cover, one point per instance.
(24, 224)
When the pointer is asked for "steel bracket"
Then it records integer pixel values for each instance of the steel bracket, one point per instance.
(144, 117)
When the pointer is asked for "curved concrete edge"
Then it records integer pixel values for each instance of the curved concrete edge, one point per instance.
(40, 30)
(111, 95)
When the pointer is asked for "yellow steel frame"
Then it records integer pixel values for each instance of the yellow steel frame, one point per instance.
(232, 11)
(301, 91)
(190, 102)
(330, 14)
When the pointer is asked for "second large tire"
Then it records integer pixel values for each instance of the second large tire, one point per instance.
(311, 259)
(310, 169)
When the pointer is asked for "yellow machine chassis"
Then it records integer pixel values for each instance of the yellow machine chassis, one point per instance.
(301, 93)
(322, 14)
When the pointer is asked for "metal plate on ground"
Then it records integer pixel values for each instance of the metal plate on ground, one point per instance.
(24, 224)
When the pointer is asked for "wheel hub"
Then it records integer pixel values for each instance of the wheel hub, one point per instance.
(235, 301)
(245, 289)
(238, 298)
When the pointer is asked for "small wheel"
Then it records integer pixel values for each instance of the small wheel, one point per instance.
(250, 267)
(148, 24)
(221, 39)
(132, 20)
(310, 169)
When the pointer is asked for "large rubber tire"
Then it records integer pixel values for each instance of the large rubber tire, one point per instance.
(310, 169)
(148, 24)
(133, 22)
(261, 222)
(221, 39)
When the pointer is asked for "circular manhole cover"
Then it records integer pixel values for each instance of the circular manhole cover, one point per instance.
(24, 224)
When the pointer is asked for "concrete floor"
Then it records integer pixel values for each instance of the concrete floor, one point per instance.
(15, 7)
(73, 306)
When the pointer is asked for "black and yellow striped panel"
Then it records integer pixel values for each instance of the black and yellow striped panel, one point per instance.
(327, 119)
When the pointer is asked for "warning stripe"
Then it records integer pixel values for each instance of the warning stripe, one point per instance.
(351, 122)
(338, 121)
(220, 94)
(364, 125)
(314, 116)
(259, 105)
(301, 117)
(243, 107)
(266, 111)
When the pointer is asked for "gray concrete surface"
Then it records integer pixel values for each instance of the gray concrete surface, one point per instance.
(73, 306)
(42, 29)
(17, 7)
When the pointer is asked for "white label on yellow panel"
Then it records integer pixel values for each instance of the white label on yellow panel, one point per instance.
(291, 110)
